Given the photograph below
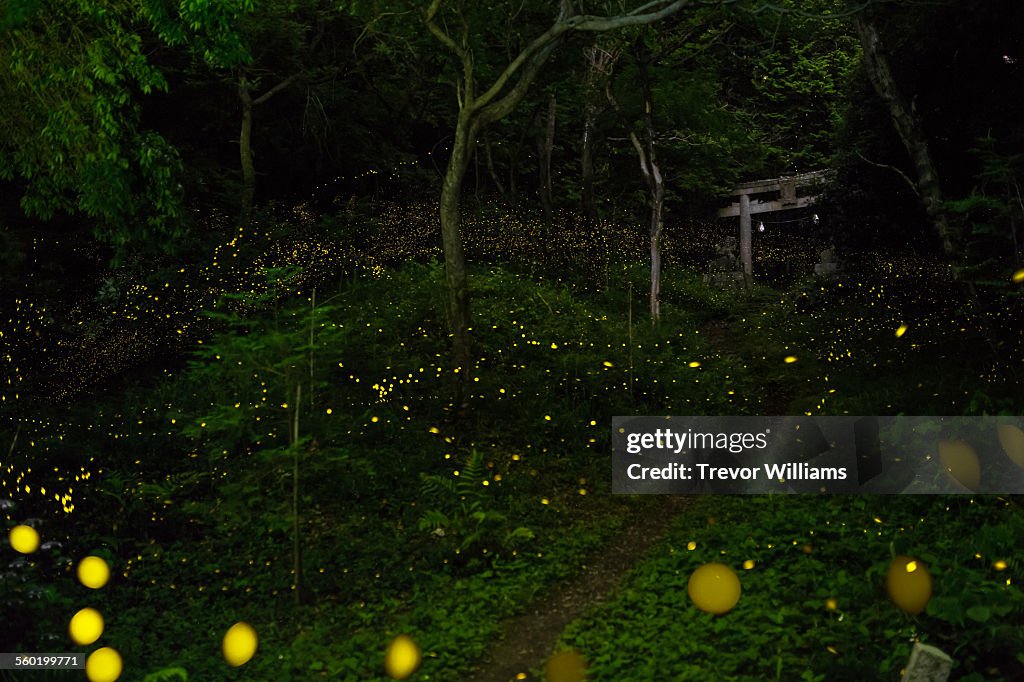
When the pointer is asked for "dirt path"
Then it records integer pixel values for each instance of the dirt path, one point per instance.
(529, 639)
(778, 397)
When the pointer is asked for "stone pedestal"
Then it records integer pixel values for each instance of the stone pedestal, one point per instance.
(927, 664)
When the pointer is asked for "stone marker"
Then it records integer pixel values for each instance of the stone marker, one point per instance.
(927, 664)
(724, 271)
(828, 264)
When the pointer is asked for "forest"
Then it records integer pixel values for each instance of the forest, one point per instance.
(315, 316)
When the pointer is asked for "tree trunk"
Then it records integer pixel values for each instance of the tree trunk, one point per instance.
(657, 222)
(654, 181)
(656, 185)
(451, 237)
(245, 154)
(908, 126)
(587, 165)
(600, 62)
(545, 145)
(490, 166)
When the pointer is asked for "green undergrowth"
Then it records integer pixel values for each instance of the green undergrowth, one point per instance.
(813, 604)
(321, 432)
(331, 422)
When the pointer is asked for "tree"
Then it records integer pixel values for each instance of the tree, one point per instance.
(480, 105)
(288, 27)
(701, 141)
(649, 170)
(71, 74)
(911, 132)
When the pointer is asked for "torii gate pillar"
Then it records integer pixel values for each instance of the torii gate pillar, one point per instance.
(786, 187)
(745, 251)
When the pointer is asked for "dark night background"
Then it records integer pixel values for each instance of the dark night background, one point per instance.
(303, 328)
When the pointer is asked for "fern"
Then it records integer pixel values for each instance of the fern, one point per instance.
(460, 513)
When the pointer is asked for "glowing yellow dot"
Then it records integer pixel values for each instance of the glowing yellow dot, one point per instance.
(544, 500)
(374, 419)
(547, 417)
(961, 463)
(831, 604)
(691, 545)
(714, 588)
(748, 564)
(999, 565)
(239, 644)
(554, 346)
(402, 657)
(103, 665)
(901, 330)
(86, 626)
(607, 364)
(1012, 439)
(789, 359)
(329, 411)
(566, 666)
(1018, 276)
(694, 364)
(24, 539)
(93, 572)
(909, 584)
(434, 429)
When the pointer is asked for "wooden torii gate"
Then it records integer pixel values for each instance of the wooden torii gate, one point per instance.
(788, 198)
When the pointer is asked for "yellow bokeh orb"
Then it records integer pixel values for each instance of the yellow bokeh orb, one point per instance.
(239, 645)
(909, 584)
(960, 462)
(93, 572)
(402, 657)
(86, 626)
(24, 539)
(566, 666)
(103, 665)
(714, 588)
(1012, 440)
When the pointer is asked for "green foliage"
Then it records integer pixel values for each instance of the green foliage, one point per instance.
(69, 78)
(806, 551)
(993, 214)
(208, 27)
(30, 593)
(463, 514)
(167, 675)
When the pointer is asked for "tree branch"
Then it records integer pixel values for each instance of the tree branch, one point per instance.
(579, 22)
(894, 169)
(498, 110)
(276, 89)
(445, 39)
(644, 170)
